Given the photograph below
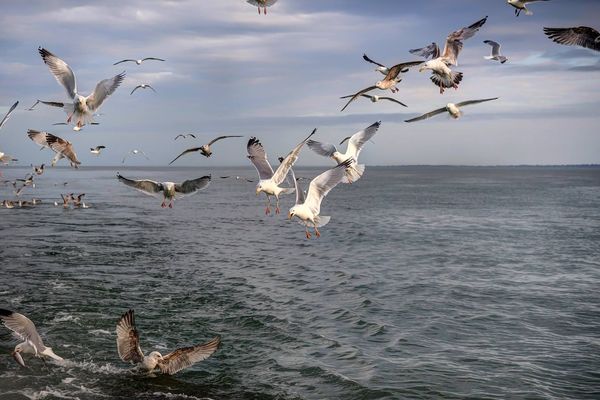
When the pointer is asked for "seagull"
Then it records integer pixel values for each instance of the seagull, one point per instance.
(96, 150)
(389, 82)
(269, 181)
(262, 3)
(142, 86)
(62, 148)
(205, 149)
(357, 141)
(133, 153)
(308, 209)
(24, 329)
(7, 116)
(76, 128)
(521, 5)
(170, 190)
(139, 62)
(380, 67)
(39, 170)
(128, 346)
(77, 201)
(441, 74)
(82, 108)
(6, 159)
(495, 52)
(9, 204)
(583, 36)
(375, 98)
(33, 106)
(431, 51)
(451, 108)
(185, 136)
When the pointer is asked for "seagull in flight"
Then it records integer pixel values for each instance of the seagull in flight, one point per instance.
(128, 347)
(521, 5)
(133, 153)
(7, 116)
(583, 36)
(451, 108)
(63, 148)
(142, 86)
(375, 98)
(96, 150)
(24, 329)
(380, 67)
(185, 136)
(495, 52)
(6, 159)
(138, 62)
(205, 149)
(82, 108)
(262, 3)
(430, 51)
(170, 190)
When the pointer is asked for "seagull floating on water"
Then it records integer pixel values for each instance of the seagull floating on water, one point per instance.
(451, 108)
(128, 347)
(521, 5)
(170, 190)
(7, 116)
(140, 61)
(583, 36)
(63, 148)
(142, 86)
(495, 52)
(205, 149)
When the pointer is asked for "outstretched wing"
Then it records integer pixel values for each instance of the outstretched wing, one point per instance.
(495, 47)
(323, 149)
(258, 156)
(222, 137)
(104, 89)
(61, 146)
(322, 185)
(427, 115)
(454, 41)
(187, 356)
(23, 327)
(38, 137)
(185, 152)
(432, 51)
(143, 185)
(61, 71)
(469, 102)
(152, 58)
(122, 61)
(128, 339)
(7, 116)
(367, 59)
(299, 192)
(576, 36)
(396, 69)
(394, 100)
(192, 186)
(357, 95)
(358, 140)
(289, 160)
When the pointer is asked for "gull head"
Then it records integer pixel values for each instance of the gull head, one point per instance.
(17, 356)
(155, 355)
(453, 110)
(292, 212)
(259, 189)
(425, 67)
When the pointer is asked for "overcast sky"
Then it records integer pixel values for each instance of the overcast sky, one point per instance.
(276, 77)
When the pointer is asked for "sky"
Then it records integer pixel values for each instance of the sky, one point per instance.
(229, 70)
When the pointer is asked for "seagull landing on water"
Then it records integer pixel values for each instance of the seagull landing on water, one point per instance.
(269, 181)
(82, 108)
(308, 210)
(496, 56)
(357, 141)
(451, 108)
(140, 61)
(142, 86)
(583, 36)
(25, 330)
(205, 149)
(170, 190)
(128, 347)
(521, 5)
(7, 116)
(262, 3)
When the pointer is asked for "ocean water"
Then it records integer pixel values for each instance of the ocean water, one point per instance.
(429, 282)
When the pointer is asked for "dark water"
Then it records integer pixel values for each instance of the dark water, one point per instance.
(428, 283)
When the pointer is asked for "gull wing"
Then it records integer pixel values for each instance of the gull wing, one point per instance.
(146, 186)
(103, 89)
(289, 160)
(432, 51)
(152, 58)
(61, 71)
(321, 185)
(396, 69)
(187, 356)
(427, 115)
(23, 328)
(128, 339)
(192, 186)
(38, 137)
(469, 102)
(126, 60)
(391, 99)
(323, 149)
(358, 94)
(7, 116)
(222, 137)
(299, 193)
(358, 140)
(258, 157)
(454, 41)
(495, 47)
(52, 103)
(185, 152)
(367, 59)
(63, 147)
(576, 36)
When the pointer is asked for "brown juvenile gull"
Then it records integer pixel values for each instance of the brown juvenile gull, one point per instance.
(583, 36)
(63, 148)
(170, 190)
(205, 149)
(451, 108)
(128, 347)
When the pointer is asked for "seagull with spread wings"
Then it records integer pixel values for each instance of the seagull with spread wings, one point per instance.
(375, 98)
(134, 152)
(169, 190)
(6, 159)
(24, 329)
(392, 78)
(521, 5)
(140, 61)
(430, 51)
(96, 150)
(7, 116)
(181, 135)
(142, 86)
(63, 148)
(269, 181)
(496, 56)
(380, 67)
(128, 347)
(441, 74)
(583, 36)
(205, 149)
(82, 109)
(262, 3)
(308, 210)
(357, 141)
(451, 108)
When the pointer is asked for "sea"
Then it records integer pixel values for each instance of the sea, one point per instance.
(428, 283)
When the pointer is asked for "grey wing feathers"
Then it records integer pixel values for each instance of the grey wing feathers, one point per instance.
(7, 116)
(323, 149)
(187, 356)
(576, 36)
(52, 103)
(394, 100)
(469, 102)
(289, 160)
(427, 115)
(122, 61)
(321, 185)
(367, 59)
(396, 69)
(299, 193)
(431, 51)
(192, 185)
(495, 47)
(128, 339)
(144, 185)
(222, 137)
(38, 137)
(258, 157)
(185, 152)
(104, 89)
(23, 327)
(358, 94)
(61, 71)
(358, 140)
(152, 58)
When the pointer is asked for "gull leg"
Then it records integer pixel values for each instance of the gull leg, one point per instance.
(163, 205)
(258, 10)
(277, 205)
(69, 118)
(317, 233)
(308, 235)
(265, 10)
(268, 208)
(171, 204)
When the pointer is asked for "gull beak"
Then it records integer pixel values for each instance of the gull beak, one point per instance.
(421, 69)
(17, 356)
(290, 215)
(257, 191)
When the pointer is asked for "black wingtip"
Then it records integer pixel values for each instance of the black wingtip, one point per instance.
(5, 313)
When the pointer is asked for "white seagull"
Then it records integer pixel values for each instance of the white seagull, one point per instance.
(441, 74)
(83, 108)
(133, 153)
(139, 62)
(357, 141)
(24, 329)
(521, 5)
(269, 181)
(451, 108)
(96, 150)
(170, 190)
(128, 346)
(583, 36)
(6, 159)
(262, 3)
(7, 116)
(63, 148)
(308, 209)
(495, 52)
(142, 86)
(205, 149)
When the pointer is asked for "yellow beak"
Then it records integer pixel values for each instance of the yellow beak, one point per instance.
(290, 215)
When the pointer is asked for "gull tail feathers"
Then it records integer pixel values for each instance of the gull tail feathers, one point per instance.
(49, 353)
(320, 220)
(288, 190)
